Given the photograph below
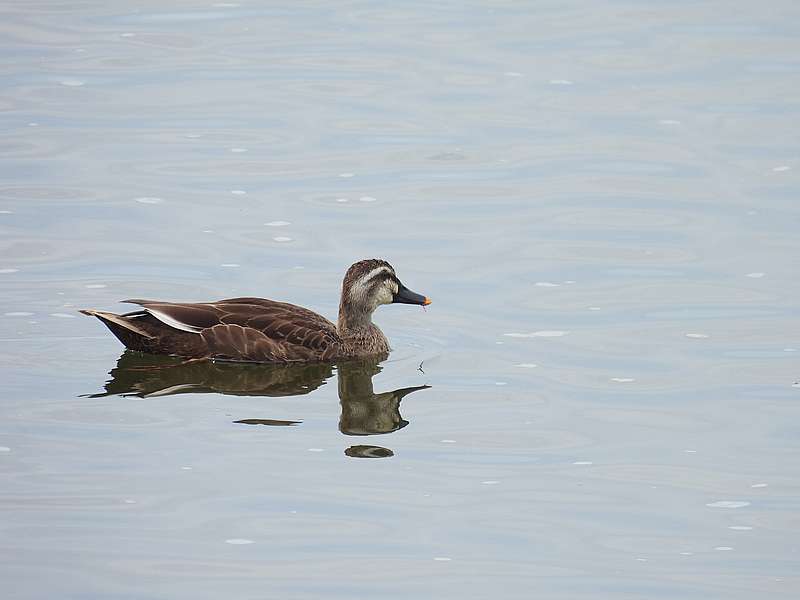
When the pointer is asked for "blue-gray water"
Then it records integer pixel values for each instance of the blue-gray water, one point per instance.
(600, 198)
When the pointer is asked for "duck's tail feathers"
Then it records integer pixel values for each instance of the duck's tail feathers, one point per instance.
(123, 326)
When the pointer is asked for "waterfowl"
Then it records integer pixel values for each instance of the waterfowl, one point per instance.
(261, 330)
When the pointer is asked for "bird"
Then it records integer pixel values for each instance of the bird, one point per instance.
(267, 331)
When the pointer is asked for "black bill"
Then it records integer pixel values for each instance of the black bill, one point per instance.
(406, 296)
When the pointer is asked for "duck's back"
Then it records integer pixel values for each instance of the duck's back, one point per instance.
(246, 329)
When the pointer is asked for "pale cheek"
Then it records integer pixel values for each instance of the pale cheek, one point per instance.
(386, 296)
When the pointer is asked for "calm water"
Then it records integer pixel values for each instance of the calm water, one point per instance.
(602, 201)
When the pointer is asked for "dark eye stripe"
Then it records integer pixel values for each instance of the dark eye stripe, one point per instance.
(381, 277)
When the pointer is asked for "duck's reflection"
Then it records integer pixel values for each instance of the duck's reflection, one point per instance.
(363, 411)
(150, 375)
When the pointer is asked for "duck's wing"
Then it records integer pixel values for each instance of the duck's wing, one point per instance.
(252, 329)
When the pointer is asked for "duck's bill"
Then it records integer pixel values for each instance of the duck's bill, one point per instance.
(406, 296)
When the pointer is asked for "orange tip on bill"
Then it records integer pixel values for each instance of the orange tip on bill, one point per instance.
(427, 301)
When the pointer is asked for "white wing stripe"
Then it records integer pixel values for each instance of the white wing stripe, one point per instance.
(174, 323)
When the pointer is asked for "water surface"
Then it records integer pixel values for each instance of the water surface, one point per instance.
(602, 201)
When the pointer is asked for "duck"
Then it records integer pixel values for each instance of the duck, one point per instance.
(259, 330)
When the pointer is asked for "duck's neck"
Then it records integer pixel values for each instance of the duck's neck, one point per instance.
(360, 336)
(353, 321)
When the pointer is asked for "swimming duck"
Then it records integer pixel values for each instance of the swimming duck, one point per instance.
(261, 330)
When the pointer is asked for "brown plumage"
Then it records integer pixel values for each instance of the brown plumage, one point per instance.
(260, 330)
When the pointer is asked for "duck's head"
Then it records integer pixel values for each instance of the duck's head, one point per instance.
(370, 283)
